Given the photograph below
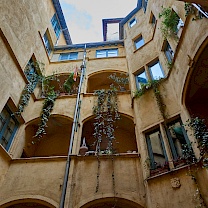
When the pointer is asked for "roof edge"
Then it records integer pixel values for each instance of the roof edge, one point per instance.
(62, 21)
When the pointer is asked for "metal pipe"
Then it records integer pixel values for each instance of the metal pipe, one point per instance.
(200, 10)
(63, 194)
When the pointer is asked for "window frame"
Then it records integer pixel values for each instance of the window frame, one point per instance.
(132, 22)
(170, 139)
(106, 52)
(153, 164)
(137, 40)
(150, 71)
(139, 84)
(68, 56)
(167, 51)
(6, 125)
(56, 25)
(47, 42)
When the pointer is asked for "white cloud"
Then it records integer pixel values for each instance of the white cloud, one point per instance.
(85, 20)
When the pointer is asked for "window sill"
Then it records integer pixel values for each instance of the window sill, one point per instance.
(169, 171)
(113, 57)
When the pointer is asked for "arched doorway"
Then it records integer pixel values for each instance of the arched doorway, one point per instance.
(111, 202)
(196, 98)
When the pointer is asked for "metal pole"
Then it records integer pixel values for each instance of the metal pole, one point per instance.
(200, 10)
(63, 194)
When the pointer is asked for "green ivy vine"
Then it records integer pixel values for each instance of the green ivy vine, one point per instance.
(48, 105)
(169, 22)
(153, 84)
(106, 113)
(201, 134)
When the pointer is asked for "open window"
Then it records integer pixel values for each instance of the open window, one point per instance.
(156, 149)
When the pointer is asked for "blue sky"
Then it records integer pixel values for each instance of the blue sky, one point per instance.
(84, 17)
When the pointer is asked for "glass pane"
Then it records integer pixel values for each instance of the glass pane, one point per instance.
(132, 22)
(139, 42)
(3, 117)
(73, 56)
(141, 79)
(159, 156)
(112, 53)
(169, 52)
(100, 54)
(3, 142)
(156, 71)
(177, 137)
(63, 56)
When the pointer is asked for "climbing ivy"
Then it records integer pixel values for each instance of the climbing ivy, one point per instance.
(48, 105)
(201, 134)
(153, 84)
(169, 22)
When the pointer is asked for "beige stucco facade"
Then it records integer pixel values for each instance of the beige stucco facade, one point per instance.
(33, 174)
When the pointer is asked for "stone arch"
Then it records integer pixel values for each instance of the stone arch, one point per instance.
(54, 143)
(100, 80)
(195, 91)
(111, 202)
(124, 133)
(28, 201)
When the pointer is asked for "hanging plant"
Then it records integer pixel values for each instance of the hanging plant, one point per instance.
(48, 105)
(68, 84)
(120, 81)
(26, 94)
(106, 113)
(33, 79)
(201, 134)
(153, 84)
(169, 22)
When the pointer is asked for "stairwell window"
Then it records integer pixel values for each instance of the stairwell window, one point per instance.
(56, 26)
(132, 22)
(139, 42)
(156, 149)
(106, 53)
(156, 70)
(68, 56)
(8, 127)
(141, 79)
(47, 42)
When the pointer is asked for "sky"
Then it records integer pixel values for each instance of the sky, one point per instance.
(84, 17)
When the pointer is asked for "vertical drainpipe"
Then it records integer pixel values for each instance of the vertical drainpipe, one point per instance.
(63, 194)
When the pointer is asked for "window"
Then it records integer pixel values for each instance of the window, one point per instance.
(56, 25)
(180, 24)
(8, 127)
(153, 20)
(47, 43)
(132, 22)
(156, 71)
(68, 56)
(156, 149)
(169, 52)
(106, 53)
(178, 138)
(141, 79)
(139, 42)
